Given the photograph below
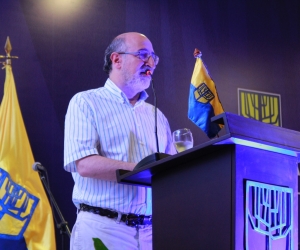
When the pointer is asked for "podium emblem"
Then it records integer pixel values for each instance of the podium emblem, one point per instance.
(261, 106)
(203, 94)
(268, 217)
(16, 207)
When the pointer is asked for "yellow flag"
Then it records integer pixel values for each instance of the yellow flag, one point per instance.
(204, 102)
(26, 220)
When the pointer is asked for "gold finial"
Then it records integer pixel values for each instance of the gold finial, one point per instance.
(197, 53)
(8, 49)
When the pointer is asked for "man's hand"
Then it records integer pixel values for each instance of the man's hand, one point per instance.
(99, 167)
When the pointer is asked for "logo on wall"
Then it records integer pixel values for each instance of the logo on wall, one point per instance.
(261, 106)
(16, 207)
(268, 216)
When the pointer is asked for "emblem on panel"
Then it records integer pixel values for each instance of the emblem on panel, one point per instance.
(261, 106)
(16, 207)
(268, 217)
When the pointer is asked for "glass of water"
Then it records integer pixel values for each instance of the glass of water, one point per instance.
(183, 139)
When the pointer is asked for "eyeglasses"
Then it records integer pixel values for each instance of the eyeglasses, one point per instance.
(144, 55)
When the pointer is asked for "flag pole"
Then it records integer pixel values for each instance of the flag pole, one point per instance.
(8, 49)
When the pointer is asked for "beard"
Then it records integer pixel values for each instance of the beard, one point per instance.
(136, 82)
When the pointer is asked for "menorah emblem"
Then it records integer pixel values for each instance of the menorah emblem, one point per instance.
(16, 207)
(203, 94)
(268, 217)
(261, 106)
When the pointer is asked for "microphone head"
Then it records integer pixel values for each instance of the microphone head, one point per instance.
(36, 165)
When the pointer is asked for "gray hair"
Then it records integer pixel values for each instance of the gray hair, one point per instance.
(117, 45)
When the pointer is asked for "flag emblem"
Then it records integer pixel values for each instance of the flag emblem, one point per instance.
(203, 94)
(17, 207)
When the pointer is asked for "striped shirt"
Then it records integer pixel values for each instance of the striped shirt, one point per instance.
(102, 121)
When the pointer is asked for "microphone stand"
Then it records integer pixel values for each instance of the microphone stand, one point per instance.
(63, 225)
(155, 115)
(156, 156)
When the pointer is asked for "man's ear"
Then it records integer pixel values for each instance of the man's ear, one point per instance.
(116, 60)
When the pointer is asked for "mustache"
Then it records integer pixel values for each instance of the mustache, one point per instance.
(146, 70)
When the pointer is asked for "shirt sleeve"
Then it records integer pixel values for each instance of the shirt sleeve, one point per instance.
(81, 138)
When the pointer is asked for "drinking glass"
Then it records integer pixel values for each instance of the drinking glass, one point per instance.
(183, 139)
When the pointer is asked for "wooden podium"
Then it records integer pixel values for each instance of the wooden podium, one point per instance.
(239, 191)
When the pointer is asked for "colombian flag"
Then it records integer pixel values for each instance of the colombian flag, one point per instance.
(26, 220)
(204, 102)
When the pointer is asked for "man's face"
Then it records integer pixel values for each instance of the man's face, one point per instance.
(133, 68)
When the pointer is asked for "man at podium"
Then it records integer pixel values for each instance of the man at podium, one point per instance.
(110, 128)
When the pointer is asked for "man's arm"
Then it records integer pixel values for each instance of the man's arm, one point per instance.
(99, 167)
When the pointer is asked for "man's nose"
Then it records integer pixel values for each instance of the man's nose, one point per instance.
(150, 62)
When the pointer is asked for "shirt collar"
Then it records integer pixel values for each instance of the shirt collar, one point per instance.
(118, 93)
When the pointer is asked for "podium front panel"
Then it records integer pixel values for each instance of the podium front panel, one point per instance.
(266, 212)
(200, 204)
(192, 206)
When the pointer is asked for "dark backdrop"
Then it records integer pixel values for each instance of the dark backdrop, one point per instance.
(60, 44)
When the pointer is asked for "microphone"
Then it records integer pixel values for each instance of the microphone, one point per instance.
(156, 156)
(38, 167)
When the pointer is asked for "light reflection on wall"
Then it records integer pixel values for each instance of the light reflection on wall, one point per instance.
(64, 8)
